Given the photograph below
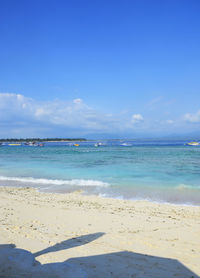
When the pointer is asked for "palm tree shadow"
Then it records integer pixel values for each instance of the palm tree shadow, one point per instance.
(70, 243)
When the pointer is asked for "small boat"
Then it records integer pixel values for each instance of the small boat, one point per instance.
(193, 143)
(69, 144)
(34, 144)
(76, 145)
(125, 144)
(30, 143)
(98, 144)
(14, 144)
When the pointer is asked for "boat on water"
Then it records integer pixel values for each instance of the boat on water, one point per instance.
(76, 145)
(34, 144)
(98, 144)
(194, 143)
(125, 144)
(40, 145)
(14, 144)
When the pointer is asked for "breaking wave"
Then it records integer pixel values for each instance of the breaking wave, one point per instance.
(75, 182)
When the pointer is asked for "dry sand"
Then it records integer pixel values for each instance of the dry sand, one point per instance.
(103, 237)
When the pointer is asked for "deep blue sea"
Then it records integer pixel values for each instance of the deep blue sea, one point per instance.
(161, 171)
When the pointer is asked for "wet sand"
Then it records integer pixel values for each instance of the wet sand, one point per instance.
(104, 237)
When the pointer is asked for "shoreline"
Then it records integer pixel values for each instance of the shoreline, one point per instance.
(104, 196)
(100, 195)
(106, 232)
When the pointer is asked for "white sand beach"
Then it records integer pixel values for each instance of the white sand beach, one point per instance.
(97, 237)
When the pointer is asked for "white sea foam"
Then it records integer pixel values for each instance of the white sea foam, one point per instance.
(186, 186)
(76, 182)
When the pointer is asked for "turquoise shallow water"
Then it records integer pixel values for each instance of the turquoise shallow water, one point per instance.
(158, 171)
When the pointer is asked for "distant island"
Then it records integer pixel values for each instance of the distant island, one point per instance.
(41, 139)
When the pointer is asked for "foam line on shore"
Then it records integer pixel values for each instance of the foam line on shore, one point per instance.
(77, 182)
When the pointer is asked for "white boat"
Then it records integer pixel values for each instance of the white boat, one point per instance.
(98, 144)
(125, 144)
(193, 143)
(34, 144)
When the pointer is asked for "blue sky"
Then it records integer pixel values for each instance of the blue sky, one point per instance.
(71, 68)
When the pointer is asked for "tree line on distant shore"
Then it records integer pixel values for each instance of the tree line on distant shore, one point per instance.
(41, 139)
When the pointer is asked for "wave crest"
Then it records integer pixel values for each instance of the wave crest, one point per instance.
(77, 182)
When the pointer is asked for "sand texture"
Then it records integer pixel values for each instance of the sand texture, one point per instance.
(71, 235)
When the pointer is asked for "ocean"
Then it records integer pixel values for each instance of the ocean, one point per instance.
(159, 171)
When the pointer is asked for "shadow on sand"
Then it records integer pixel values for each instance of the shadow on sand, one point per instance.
(70, 243)
(18, 263)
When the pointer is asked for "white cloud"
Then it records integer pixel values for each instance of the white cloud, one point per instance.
(74, 114)
(154, 103)
(192, 118)
(23, 116)
(170, 122)
(77, 100)
(136, 118)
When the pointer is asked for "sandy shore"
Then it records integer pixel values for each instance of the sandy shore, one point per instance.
(103, 237)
